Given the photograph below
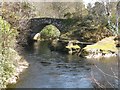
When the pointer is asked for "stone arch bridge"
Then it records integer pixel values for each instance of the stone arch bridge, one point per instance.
(37, 24)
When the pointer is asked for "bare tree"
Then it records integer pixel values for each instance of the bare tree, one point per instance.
(118, 15)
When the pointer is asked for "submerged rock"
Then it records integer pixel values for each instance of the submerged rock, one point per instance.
(73, 47)
(67, 46)
(58, 45)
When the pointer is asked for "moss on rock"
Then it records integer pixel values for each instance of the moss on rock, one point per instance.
(106, 45)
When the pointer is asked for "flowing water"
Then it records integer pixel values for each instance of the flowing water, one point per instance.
(49, 69)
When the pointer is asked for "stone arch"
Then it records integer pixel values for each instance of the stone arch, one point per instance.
(37, 24)
(48, 32)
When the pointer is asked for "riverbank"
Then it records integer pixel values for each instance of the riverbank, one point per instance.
(11, 62)
(21, 65)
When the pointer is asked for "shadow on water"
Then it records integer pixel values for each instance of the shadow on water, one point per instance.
(56, 70)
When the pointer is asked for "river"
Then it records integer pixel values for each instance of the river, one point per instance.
(50, 69)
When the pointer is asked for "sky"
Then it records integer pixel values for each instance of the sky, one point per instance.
(89, 1)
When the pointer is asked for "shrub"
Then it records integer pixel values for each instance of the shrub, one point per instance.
(7, 41)
(50, 31)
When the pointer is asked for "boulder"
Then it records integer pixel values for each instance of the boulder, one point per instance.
(36, 37)
(105, 46)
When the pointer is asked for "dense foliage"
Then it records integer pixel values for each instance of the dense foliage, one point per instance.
(50, 31)
(104, 13)
(18, 17)
(7, 60)
(13, 17)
